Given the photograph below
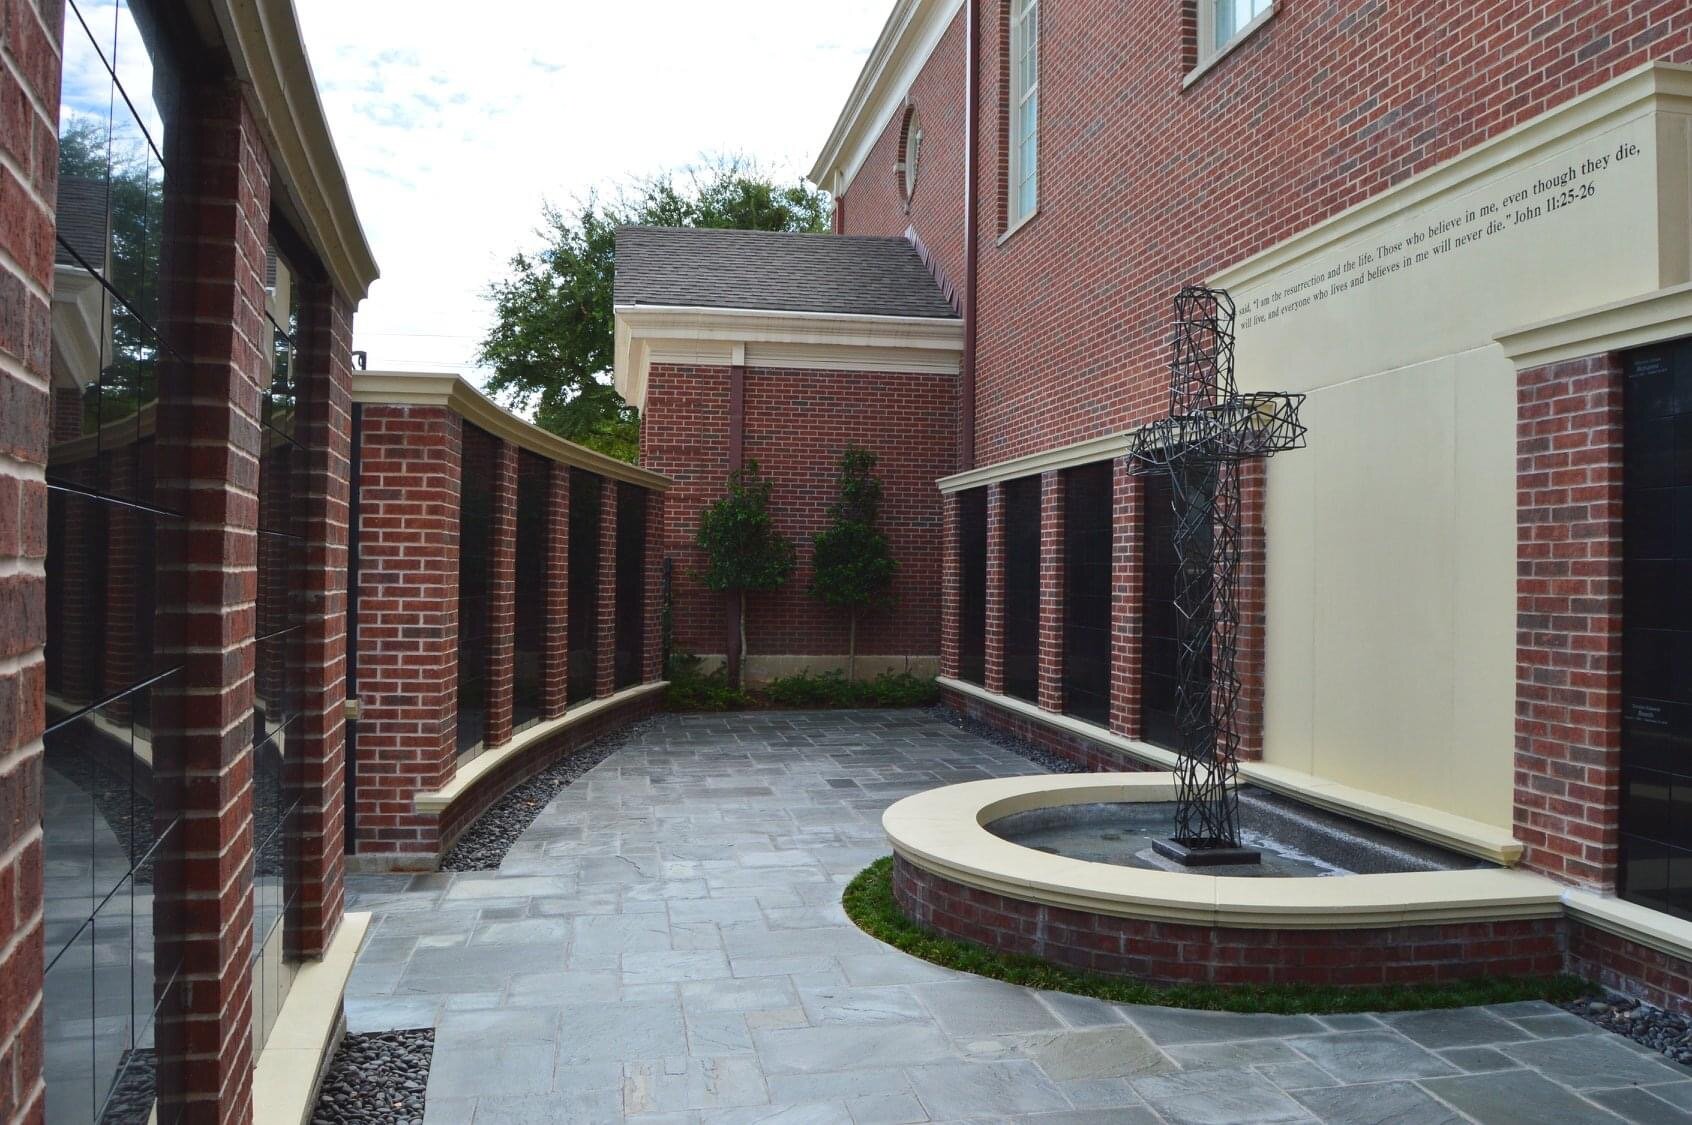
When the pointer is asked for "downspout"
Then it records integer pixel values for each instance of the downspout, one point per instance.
(736, 462)
(966, 388)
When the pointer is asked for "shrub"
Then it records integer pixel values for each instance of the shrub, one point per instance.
(833, 689)
(693, 690)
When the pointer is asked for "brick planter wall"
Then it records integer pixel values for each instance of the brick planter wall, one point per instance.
(1631, 968)
(1186, 954)
(1082, 751)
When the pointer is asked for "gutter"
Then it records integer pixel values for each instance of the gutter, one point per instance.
(966, 383)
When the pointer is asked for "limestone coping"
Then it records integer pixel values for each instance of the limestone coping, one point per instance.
(286, 1077)
(439, 800)
(943, 831)
(1458, 833)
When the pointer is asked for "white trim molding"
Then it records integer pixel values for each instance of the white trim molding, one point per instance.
(455, 393)
(909, 37)
(1665, 314)
(1106, 448)
(648, 334)
(265, 47)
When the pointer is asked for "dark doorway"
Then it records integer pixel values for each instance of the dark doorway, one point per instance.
(1160, 622)
(631, 583)
(972, 586)
(585, 489)
(1087, 541)
(1656, 815)
(1022, 588)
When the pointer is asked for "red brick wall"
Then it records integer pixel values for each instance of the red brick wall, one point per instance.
(29, 99)
(1051, 591)
(408, 620)
(556, 676)
(1631, 968)
(1127, 585)
(1568, 618)
(502, 596)
(993, 670)
(1181, 954)
(1145, 186)
(797, 425)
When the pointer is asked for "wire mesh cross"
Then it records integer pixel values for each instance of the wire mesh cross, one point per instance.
(1210, 430)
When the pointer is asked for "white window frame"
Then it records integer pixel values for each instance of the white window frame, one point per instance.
(1212, 44)
(1023, 15)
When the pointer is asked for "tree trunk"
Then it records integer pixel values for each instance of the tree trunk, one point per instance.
(742, 661)
(852, 649)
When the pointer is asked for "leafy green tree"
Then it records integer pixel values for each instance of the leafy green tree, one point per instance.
(551, 344)
(744, 550)
(852, 561)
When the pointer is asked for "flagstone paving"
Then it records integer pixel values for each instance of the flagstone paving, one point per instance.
(666, 944)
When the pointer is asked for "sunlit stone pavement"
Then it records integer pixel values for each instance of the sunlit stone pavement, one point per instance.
(666, 944)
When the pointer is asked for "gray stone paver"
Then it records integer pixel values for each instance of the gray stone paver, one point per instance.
(665, 944)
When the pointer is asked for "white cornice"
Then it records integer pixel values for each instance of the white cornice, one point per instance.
(1106, 448)
(1665, 314)
(455, 393)
(1620, 99)
(778, 338)
(907, 40)
(264, 44)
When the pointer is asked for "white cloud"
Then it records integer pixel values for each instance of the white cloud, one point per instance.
(455, 122)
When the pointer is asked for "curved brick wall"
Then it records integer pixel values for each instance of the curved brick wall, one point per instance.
(1185, 954)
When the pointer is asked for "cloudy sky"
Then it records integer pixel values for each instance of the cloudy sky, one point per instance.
(455, 122)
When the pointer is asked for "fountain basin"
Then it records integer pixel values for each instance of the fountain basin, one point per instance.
(953, 874)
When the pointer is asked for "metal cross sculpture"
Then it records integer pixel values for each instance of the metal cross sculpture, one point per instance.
(1210, 430)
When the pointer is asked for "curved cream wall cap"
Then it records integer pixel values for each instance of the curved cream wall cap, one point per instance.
(942, 831)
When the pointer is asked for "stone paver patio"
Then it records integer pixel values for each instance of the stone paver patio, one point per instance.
(666, 944)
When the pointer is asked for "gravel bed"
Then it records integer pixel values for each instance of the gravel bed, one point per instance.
(1045, 759)
(484, 843)
(379, 1076)
(1640, 1022)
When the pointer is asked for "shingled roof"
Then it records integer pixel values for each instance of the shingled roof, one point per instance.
(745, 269)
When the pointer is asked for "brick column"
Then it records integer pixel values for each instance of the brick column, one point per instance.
(407, 621)
(555, 660)
(1127, 583)
(995, 631)
(26, 278)
(605, 673)
(950, 577)
(1250, 599)
(208, 454)
(502, 596)
(1568, 618)
(652, 652)
(323, 364)
(1051, 591)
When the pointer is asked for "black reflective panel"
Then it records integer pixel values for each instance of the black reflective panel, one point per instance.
(1022, 588)
(1088, 535)
(475, 530)
(631, 582)
(1656, 800)
(972, 586)
(1160, 624)
(585, 498)
(533, 574)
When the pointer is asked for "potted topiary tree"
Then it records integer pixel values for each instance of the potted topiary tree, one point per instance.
(744, 551)
(852, 560)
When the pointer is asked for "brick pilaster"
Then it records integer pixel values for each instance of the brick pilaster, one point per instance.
(502, 595)
(652, 652)
(409, 480)
(323, 365)
(995, 665)
(28, 180)
(555, 660)
(208, 466)
(1127, 587)
(1568, 618)
(605, 671)
(950, 576)
(1251, 602)
(1051, 591)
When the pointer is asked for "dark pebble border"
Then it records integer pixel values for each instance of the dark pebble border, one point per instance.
(380, 1076)
(1640, 1022)
(1045, 759)
(483, 845)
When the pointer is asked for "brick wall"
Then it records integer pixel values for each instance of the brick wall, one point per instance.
(797, 425)
(502, 597)
(29, 97)
(1051, 591)
(1568, 618)
(1127, 591)
(1626, 966)
(408, 620)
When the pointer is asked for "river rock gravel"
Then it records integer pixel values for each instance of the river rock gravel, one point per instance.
(483, 845)
(380, 1076)
(1640, 1022)
(1045, 759)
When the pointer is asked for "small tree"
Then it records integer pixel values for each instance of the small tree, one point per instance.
(743, 549)
(853, 563)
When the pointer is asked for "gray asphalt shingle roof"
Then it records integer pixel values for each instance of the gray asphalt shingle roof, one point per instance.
(743, 269)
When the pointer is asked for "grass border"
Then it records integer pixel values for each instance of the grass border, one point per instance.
(868, 901)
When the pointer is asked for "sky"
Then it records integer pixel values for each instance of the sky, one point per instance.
(456, 122)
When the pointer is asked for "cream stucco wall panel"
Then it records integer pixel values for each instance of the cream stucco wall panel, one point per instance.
(1291, 519)
(1674, 197)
